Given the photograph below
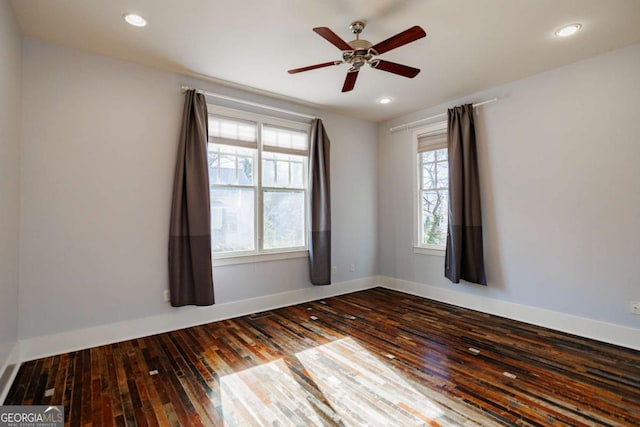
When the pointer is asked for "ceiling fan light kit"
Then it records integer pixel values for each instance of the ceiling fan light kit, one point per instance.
(359, 52)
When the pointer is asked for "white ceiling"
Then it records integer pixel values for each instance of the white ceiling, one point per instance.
(470, 45)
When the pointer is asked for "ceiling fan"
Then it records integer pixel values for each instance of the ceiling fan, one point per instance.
(359, 52)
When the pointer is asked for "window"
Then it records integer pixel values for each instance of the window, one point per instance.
(258, 178)
(432, 195)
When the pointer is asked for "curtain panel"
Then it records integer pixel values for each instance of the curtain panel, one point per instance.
(320, 206)
(464, 259)
(190, 265)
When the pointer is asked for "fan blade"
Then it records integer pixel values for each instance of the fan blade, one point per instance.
(350, 81)
(332, 38)
(313, 67)
(392, 67)
(407, 36)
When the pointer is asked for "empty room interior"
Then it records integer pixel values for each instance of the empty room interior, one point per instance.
(332, 213)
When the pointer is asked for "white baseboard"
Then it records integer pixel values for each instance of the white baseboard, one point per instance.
(48, 345)
(581, 326)
(13, 359)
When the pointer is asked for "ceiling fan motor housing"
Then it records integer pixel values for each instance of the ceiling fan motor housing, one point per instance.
(361, 53)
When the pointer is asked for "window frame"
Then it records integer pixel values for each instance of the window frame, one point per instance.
(438, 128)
(259, 254)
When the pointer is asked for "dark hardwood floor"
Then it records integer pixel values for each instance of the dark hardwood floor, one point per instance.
(375, 357)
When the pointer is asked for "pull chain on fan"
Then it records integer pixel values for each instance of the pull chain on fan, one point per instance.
(360, 52)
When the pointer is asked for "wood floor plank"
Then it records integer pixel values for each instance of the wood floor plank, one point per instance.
(375, 357)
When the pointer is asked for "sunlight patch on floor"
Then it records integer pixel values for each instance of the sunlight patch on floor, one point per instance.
(364, 391)
(357, 389)
(266, 395)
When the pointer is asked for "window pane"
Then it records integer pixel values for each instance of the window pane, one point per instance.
(441, 154)
(230, 165)
(245, 170)
(214, 166)
(282, 174)
(283, 219)
(284, 138)
(429, 175)
(443, 174)
(232, 219)
(227, 169)
(435, 207)
(428, 156)
(297, 174)
(283, 170)
(232, 129)
(268, 173)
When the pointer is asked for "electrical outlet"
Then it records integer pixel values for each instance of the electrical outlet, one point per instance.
(334, 269)
(353, 267)
(167, 296)
(634, 307)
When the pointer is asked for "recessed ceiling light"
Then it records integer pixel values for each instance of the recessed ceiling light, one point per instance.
(134, 19)
(568, 30)
(385, 100)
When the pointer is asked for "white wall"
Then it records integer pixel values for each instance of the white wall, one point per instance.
(99, 146)
(10, 74)
(558, 158)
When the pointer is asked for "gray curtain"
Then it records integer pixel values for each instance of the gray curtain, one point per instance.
(320, 191)
(190, 273)
(464, 258)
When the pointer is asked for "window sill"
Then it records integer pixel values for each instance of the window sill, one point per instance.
(247, 259)
(429, 251)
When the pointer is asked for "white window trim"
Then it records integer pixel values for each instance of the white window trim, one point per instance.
(434, 128)
(431, 250)
(221, 260)
(263, 255)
